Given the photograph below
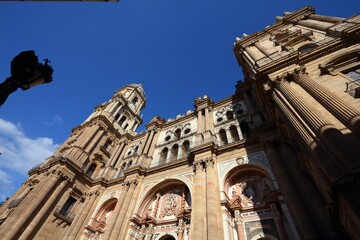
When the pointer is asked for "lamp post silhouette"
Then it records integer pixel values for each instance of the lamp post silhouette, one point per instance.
(26, 72)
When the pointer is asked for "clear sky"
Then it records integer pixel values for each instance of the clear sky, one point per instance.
(178, 49)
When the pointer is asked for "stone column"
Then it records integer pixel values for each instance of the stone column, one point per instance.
(240, 226)
(111, 106)
(130, 207)
(144, 143)
(149, 232)
(124, 208)
(327, 132)
(200, 126)
(22, 188)
(199, 210)
(154, 139)
(228, 135)
(249, 104)
(181, 230)
(169, 156)
(280, 225)
(315, 24)
(324, 167)
(20, 225)
(142, 232)
(293, 200)
(27, 201)
(81, 215)
(109, 228)
(149, 142)
(326, 18)
(347, 114)
(42, 214)
(117, 111)
(86, 139)
(213, 208)
(115, 155)
(239, 132)
(209, 126)
(308, 193)
(95, 140)
(121, 153)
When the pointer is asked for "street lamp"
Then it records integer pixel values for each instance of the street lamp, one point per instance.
(26, 72)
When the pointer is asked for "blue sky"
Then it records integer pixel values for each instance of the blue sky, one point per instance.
(180, 50)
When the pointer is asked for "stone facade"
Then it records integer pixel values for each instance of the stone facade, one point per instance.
(279, 159)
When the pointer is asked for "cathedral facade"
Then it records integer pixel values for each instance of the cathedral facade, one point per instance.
(279, 159)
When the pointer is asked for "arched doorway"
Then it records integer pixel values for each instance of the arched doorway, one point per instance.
(167, 237)
(164, 210)
(97, 225)
(251, 198)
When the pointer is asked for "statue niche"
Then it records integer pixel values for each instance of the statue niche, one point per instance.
(250, 192)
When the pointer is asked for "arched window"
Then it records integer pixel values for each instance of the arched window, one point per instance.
(123, 166)
(177, 134)
(129, 164)
(122, 120)
(187, 130)
(69, 204)
(126, 125)
(90, 171)
(175, 150)
(135, 100)
(234, 133)
(117, 116)
(229, 115)
(223, 138)
(307, 47)
(136, 149)
(163, 156)
(186, 147)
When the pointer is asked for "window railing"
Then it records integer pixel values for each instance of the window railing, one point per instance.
(223, 143)
(172, 140)
(170, 160)
(66, 215)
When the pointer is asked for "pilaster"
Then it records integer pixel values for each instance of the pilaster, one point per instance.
(199, 230)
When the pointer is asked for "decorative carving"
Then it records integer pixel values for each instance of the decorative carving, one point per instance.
(199, 165)
(170, 203)
(209, 162)
(241, 160)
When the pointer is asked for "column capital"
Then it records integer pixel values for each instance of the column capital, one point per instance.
(127, 184)
(209, 162)
(199, 165)
(293, 75)
(92, 194)
(239, 221)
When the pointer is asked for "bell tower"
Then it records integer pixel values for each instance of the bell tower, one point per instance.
(93, 144)
(123, 109)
